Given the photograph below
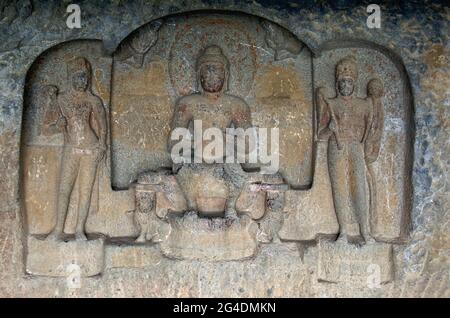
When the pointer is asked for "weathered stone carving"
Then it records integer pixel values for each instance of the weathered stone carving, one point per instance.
(284, 43)
(54, 122)
(254, 196)
(343, 198)
(104, 153)
(347, 121)
(64, 155)
(145, 202)
(156, 194)
(203, 182)
(133, 51)
(82, 119)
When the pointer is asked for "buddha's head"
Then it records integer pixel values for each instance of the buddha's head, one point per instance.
(212, 70)
(346, 75)
(79, 73)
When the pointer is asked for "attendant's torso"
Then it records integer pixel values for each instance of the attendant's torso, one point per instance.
(77, 112)
(351, 116)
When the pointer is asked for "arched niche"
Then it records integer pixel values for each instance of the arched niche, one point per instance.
(42, 144)
(154, 67)
(274, 72)
(392, 171)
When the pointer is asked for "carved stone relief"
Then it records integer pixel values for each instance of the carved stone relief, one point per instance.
(97, 153)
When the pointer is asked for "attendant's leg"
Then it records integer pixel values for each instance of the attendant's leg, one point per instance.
(69, 172)
(342, 185)
(359, 180)
(88, 171)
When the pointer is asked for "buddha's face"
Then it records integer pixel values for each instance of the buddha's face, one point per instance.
(345, 86)
(80, 80)
(212, 77)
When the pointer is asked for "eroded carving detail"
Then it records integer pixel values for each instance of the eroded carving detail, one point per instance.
(204, 210)
(347, 121)
(284, 43)
(133, 51)
(83, 122)
(156, 193)
(204, 183)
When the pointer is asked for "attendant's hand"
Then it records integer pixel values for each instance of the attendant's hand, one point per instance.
(325, 134)
(101, 150)
(333, 126)
(61, 123)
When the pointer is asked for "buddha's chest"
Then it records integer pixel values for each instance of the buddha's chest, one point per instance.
(211, 115)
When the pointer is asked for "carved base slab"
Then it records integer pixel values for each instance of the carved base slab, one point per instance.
(60, 259)
(215, 239)
(343, 262)
(139, 256)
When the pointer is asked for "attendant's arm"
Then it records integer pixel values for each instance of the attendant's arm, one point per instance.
(100, 117)
(368, 125)
(373, 133)
(372, 139)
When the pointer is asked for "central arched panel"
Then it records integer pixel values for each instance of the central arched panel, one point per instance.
(155, 66)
